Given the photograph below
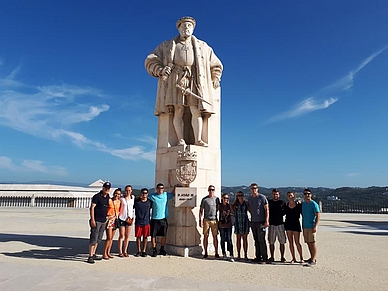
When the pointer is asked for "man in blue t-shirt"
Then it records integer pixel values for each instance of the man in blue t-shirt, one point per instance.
(310, 219)
(159, 216)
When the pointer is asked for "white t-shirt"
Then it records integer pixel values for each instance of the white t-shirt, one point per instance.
(126, 208)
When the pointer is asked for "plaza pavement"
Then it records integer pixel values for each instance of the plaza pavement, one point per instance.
(46, 249)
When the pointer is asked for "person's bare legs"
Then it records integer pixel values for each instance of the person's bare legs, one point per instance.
(144, 244)
(121, 239)
(138, 244)
(126, 238)
(205, 243)
(282, 249)
(111, 243)
(296, 236)
(163, 241)
(313, 250)
(272, 250)
(215, 243)
(238, 245)
(108, 243)
(290, 238)
(153, 242)
(245, 245)
(92, 249)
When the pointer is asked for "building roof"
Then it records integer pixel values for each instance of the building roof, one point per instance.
(45, 190)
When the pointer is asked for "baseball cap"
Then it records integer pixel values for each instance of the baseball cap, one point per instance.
(106, 185)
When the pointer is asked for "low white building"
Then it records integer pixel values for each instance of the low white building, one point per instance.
(46, 195)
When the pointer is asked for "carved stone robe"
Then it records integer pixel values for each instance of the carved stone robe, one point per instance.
(207, 67)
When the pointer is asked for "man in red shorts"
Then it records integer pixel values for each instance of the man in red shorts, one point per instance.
(142, 222)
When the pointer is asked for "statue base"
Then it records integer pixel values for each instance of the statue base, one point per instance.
(184, 235)
(184, 251)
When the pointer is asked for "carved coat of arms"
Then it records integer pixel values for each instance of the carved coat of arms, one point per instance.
(186, 168)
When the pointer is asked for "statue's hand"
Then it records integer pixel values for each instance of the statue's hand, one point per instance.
(166, 71)
(216, 83)
(170, 109)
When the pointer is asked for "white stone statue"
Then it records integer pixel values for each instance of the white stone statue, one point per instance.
(188, 72)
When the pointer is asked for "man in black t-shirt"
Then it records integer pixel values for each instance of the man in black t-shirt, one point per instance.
(276, 225)
(98, 212)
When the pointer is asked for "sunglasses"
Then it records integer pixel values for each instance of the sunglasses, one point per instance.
(211, 190)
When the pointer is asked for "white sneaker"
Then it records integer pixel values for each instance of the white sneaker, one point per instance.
(225, 257)
(232, 259)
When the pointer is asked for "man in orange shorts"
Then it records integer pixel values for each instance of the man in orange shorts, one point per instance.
(142, 222)
(208, 209)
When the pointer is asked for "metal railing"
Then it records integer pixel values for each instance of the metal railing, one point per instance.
(84, 202)
(344, 207)
(73, 202)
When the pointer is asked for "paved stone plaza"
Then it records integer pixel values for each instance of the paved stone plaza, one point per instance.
(46, 249)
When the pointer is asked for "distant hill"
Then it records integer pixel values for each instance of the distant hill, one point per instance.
(370, 195)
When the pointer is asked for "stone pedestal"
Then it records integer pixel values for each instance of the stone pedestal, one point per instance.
(184, 235)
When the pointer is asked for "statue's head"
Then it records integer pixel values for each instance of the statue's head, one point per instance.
(186, 25)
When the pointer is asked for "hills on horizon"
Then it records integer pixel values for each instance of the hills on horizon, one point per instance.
(375, 194)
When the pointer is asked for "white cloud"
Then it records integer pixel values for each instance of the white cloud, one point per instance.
(14, 73)
(321, 99)
(50, 111)
(148, 139)
(76, 117)
(304, 107)
(31, 166)
(134, 153)
(352, 175)
(6, 163)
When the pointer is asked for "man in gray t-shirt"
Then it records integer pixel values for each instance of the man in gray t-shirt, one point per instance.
(208, 210)
(259, 222)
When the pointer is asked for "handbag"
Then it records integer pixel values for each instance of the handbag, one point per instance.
(129, 220)
(232, 218)
(117, 223)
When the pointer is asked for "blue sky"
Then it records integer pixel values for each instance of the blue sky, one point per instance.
(304, 89)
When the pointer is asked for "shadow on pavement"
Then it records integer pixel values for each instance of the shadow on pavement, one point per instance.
(380, 233)
(57, 247)
(369, 227)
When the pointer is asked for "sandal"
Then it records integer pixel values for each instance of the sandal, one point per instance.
(110, 256)
(126, 255)
(105, 258)
(293, 261)
(121, 255)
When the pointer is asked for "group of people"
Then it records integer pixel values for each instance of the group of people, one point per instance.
(264, 215)
(123, 210)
